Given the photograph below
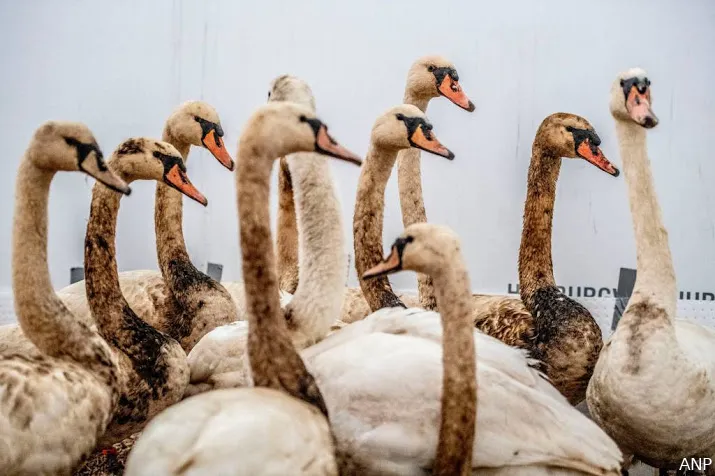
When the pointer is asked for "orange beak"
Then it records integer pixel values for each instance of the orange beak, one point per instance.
(638, 106)
(178, 179)
(215, 145)
(432, 144)
(453, 91)
(389, 265)
(329, 146)
(594, 155)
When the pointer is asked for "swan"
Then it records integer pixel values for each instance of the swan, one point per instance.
(401, 127)
(54, 406)
(429, 77)
(653, 387)
(280, 428)
(152, 365)
(323, 252)
(557, 330)
(381, 378)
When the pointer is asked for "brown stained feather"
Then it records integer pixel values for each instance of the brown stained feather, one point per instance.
(504, 319)
(567, 338)
(648, 317)
(287, 226)
(368, 220)
(153, 365)
(108, 461)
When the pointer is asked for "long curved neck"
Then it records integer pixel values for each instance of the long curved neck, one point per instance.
(174, 260)
(274, 361)
(368, 223)
(412, 204)
(319, 295)
(287, 231)
(535, 266)
(44, 319)
(459, 386)
(104, 294)
(656, 275)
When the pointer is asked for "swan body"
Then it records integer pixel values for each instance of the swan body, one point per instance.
(653, 387)
(286, 436)
(56, 405)
(381, 380)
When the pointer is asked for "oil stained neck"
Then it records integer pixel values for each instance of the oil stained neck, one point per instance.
(368, 224)
(174, 261)
(535, 262)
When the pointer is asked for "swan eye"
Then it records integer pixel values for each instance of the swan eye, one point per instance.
(157, 154)
(623, 81)
(400, 116)
(430, 68)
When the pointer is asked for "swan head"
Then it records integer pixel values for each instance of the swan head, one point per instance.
(573, 137)
(141, 158)
(433, 76)
(197, 123)
(71, 146)
(631, 98)
(277, 129)
(423, 247)
(405, 126)
(292, 89)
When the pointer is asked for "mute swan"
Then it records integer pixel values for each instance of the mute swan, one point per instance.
(428, 78)
(653, 388)
(382, 381)
(313, 309)
(152, 365)
(280, 429)
(54, 406)
(557, 330)
(399, 128)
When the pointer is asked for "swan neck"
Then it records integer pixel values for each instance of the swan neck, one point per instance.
(274, 361)
(656, 274)
(535, 262)
(104, 294)
(368, 223)
(459, 396)
(419, 102)
(42, 316)
(172, 254)
(412, 204)
(319, 294)
(287, 230)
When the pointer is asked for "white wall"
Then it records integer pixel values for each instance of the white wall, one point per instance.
(123, 66)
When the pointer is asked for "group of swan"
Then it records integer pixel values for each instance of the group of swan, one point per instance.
(289, 372)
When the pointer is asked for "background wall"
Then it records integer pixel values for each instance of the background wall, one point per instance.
(122, 67)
